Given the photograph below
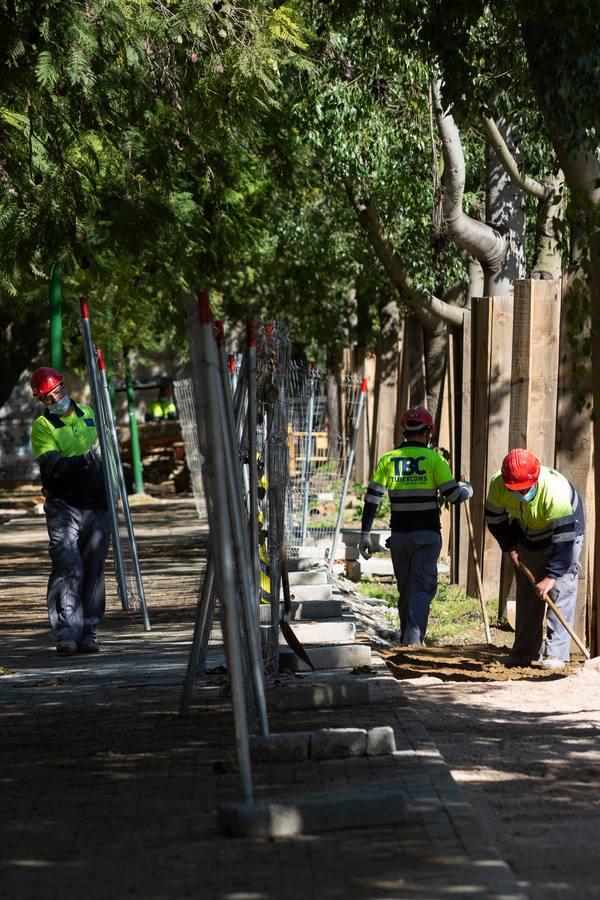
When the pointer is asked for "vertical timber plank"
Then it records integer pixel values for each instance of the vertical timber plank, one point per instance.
(480, 359)
(574, 453)
(465, 373)
(499, 418)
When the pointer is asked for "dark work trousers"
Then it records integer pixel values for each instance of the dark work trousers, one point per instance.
(415, 557)
(530, 609)
(79, 540)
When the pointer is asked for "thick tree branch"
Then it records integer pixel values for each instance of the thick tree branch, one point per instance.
(480, 240)
(429, 310)
(539, 189)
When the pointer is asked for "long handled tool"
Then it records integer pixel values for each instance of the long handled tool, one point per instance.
(530, 577)
(484, 612)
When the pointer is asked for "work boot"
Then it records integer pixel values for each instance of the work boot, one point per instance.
(66, 648)
(553, 662)
(517, 662)
(89, 645)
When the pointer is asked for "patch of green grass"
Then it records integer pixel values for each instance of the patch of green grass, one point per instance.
(380, 591)
(454, 616)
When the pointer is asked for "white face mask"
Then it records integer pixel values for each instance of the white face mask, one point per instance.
(57, 409)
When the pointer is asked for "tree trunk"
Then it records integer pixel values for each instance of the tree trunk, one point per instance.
(505, 211)
(333, 404)
(480, 240)
(386, 378)
(548, 257)
(436, 359)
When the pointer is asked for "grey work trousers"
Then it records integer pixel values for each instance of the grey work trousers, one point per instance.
(79, 540)
(530, 609)
(414, 557)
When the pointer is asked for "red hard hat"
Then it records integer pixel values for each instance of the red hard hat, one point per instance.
(520, 469)
(45, 380)
(416, 418)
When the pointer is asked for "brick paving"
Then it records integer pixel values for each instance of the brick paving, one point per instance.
(107, 792)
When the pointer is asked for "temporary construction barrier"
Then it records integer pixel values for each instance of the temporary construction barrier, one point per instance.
(322, 459)
(127, 568)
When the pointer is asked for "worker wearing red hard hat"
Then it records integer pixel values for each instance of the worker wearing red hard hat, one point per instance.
(76, 512)
(537, 516)
(414, 476)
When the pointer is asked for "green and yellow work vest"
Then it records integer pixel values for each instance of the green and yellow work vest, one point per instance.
(72, 435)
(413, 475)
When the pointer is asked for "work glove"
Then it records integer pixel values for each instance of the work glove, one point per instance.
(468, 487)
(365, 546)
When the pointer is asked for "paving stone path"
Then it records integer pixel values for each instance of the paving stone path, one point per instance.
(107, 792)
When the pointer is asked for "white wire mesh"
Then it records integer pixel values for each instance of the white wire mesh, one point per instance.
(318, 453)
(272, 368)
(184, 398)
(17, 462)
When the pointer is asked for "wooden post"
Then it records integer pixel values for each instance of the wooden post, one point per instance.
(444, 441)
(574, 454)
(492, 351)
(536, 328)
(464, 380)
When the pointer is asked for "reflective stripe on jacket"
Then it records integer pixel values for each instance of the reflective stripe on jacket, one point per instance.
(554, 517)
(413, 475)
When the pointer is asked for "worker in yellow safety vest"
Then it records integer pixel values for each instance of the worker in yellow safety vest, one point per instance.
(414, 476)
(77, 518)
(537, 517)
(163, 408)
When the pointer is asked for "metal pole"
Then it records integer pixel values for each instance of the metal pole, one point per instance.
(308, 452)
(136, 456)
(205, 610)
(353, 442)
(123, 489)
(221, 542)
(239, 517)
(252, 468)
(55, 303)
(88, 346)
(201, 623)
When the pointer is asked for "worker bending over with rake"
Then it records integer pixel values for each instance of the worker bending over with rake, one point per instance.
(536, 515)
(414, 476)
(76, 513)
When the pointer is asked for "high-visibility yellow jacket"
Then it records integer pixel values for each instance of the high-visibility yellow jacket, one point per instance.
(62, 447)
(554, 518)
(414, 476)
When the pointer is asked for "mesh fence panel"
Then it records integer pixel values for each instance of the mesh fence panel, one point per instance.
(186, 406)
(17, 462)
(318, 457)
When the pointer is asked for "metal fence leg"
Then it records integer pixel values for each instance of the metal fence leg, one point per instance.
(109, 418)
(88, 347)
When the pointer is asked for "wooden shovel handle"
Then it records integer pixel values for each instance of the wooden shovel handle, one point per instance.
(530, 577)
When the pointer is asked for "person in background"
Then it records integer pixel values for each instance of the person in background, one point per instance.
(76, 509)
(164, 407)
(536, 515)
(414, 475)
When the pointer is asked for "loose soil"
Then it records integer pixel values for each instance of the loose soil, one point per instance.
(525, 746)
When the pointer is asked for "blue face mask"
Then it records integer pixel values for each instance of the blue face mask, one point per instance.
(528, 496)
(57, 409)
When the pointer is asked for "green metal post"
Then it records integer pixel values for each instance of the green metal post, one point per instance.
(136, 456)
(54, 300)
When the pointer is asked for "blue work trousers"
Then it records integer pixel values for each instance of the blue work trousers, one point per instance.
(79, 540)
(415, 556)
(530, 610)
